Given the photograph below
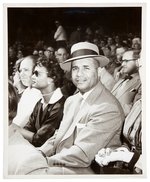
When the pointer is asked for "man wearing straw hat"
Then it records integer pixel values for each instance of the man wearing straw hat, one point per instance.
(92, 119)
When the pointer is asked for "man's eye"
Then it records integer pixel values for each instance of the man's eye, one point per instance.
(74, 68)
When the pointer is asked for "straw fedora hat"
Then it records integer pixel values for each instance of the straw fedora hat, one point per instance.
(86, 50)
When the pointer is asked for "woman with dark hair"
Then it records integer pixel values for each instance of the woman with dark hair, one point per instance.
(12, 101)
(47, 114)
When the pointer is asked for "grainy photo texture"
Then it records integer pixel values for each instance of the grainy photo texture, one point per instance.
(74, 90)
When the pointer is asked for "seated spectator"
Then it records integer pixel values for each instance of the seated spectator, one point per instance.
(131, 150)
(30, 96)
(49, 52)
(92, 120)
(126, 88)
(119, 53)
(62, 55)
(41, 53)
(136, 40)
(48, 112)
(17, 83)
(112, 64)
(117, 41)
(35, 52)
(20, 54)
(112, 46)
(12, 101)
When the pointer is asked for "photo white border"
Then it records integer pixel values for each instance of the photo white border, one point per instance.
(144, 43)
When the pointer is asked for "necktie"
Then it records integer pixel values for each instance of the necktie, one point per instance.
(128, 77)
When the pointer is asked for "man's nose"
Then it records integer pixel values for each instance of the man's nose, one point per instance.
(79, 72)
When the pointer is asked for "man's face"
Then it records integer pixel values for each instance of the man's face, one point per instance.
(19, 55)
(85, 74)
(128, 63)
(119, 53)
(109, 41)
(40, 79)
(11, 52)
(40, 53)
(49, 52)
(25, 70)
(102, 44)
(62, 55)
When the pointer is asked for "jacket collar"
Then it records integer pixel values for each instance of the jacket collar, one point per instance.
(56, 96)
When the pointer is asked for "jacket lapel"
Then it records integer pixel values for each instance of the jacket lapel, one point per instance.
(82, 112)
(117, 85)
(68, 118)
(76, 119)
(134, 82)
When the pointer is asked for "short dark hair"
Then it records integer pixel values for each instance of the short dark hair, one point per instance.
(53, 68)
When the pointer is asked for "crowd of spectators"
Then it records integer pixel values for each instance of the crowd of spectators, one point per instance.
(112, 45)
(120, 76)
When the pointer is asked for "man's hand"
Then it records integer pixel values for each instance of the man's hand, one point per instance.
(105, 156)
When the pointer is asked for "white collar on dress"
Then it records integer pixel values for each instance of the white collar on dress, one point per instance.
(57, 95)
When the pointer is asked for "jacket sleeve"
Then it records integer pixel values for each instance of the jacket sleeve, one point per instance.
(48, 147)
(103, 126)
(49, 125)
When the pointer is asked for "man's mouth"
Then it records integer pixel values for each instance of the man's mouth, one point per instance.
(80, 81)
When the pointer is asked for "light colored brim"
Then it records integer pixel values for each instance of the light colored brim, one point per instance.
(103, 61)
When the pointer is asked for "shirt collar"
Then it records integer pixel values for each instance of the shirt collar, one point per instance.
(56, 96)
(86, 94)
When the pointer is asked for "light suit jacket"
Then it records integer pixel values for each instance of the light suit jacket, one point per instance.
(126, 93)
(107, 79)
(97, 124)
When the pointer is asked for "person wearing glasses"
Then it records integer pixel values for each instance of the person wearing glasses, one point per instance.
(127, 87)
(48, 111)
(92, 120)
(130, 153)
(49, 52)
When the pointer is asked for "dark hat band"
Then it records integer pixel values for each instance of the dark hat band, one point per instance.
(83, 52)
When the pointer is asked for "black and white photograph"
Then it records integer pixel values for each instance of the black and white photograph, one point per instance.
(75, 90)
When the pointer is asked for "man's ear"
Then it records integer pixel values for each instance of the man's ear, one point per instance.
(50, 80)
